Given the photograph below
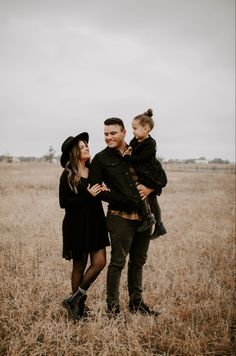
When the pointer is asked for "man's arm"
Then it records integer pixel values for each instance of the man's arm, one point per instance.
(96, 176)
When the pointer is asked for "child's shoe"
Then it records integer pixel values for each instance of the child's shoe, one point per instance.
(146, 223)
(158, 231)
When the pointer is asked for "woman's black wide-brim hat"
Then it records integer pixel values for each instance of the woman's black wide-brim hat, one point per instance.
(69, 143)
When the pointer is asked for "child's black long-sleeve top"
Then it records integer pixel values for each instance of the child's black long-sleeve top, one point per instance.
(145, 163)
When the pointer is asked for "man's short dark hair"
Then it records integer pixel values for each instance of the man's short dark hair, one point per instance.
(114, 121)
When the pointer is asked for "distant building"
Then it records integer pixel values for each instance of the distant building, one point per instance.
(201, 160)
(15, 159)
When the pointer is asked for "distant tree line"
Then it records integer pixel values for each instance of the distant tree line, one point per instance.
(51, 157)
(199, 160)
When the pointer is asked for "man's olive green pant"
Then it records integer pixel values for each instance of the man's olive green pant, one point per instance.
(125, 240)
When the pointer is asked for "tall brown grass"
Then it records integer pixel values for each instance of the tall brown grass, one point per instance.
(189, 274)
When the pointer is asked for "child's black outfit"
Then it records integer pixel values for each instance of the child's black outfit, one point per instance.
(152, 175)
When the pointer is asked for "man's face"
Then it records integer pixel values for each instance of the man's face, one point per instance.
(114, 136)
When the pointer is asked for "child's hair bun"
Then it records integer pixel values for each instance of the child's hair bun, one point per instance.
(148, 113)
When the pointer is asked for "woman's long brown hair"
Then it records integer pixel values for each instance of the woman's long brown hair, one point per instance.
(73, 167)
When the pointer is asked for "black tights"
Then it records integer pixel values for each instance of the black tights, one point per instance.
(82, 277)
(151, 205)
(155, 207)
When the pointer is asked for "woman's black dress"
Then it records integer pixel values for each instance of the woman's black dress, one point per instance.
(84, 226)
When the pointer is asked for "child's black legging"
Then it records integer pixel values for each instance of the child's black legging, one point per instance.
(150, 204)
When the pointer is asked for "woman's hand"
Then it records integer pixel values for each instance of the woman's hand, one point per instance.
(95, 189)
(144, 191)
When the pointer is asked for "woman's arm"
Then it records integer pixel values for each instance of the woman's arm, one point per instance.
(67, 198)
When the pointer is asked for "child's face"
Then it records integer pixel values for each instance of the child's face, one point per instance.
(140, 132)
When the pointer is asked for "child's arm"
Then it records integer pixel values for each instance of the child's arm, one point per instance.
(128, 152)
(141, 155)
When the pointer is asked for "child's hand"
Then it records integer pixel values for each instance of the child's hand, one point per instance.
(128, 152)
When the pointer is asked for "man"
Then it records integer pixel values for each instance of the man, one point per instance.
(124, 202)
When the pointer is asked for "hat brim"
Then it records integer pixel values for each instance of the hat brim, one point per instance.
(84, 136)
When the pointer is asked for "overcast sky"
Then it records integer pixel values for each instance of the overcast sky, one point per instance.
(66, 66)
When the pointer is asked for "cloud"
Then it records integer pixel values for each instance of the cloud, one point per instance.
(66, 66)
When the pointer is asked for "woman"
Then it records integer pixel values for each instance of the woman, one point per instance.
(84, 227)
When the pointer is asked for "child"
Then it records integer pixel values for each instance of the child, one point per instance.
(142, 154)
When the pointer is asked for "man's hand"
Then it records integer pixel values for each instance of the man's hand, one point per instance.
(144, 191)
(104, 188)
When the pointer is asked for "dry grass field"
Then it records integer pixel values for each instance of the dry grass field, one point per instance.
(189, 275)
